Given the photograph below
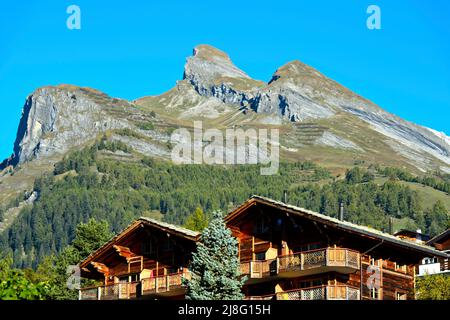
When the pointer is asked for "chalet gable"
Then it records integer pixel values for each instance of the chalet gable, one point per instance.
(127, 244)
(323, 222)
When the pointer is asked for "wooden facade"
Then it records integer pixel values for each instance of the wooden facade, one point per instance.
(148, 259)
(286, 253)
(292, 253)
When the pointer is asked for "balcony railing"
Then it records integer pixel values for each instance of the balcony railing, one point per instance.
(258, 268)
(336, 292)
(325, 257)
(131, 290)
(164, 283)
(125, 290)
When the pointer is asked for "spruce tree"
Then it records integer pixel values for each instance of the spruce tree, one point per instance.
(215, 265)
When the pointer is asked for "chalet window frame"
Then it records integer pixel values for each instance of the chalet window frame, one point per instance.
(258, 255)
(375, 293)
(127, 278)
(167, 245)
(310, 246)
(429, 260)
(401, 294)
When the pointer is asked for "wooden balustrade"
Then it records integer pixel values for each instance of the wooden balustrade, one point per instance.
(336, 292)
(163, 283)
(130, 290)
(325, 257)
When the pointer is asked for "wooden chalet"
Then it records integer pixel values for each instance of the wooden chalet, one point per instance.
(292, 253)
(148, 259)
(286, 253)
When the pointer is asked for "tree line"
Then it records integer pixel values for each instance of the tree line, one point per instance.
(89, 184)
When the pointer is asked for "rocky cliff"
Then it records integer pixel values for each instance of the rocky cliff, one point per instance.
(57, 119)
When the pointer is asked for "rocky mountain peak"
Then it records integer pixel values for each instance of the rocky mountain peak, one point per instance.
(209, 64)
(207, 52)
(295, 69)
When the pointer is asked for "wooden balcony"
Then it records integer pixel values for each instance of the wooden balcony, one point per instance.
(336, 292)
(165, 285)
(304, 263)
(168, 285)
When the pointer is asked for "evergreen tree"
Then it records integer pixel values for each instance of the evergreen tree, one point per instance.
(437, 218)
(354, 175)
(196, 221)
(89, 237)
(215, 265)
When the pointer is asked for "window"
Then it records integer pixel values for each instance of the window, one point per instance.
(129, 278)
(400, 296)
(316, 283)
(167, 245)
(308, 247)
(375, 293)
(148, 247)
(261, 225)
(429, 260)
(134, 277)
(173, 270)
(312, 283)
(260, 256)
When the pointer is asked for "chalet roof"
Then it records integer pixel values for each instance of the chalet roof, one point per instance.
(343, 225)
(439, 237)
(170, 228)
(177, 229)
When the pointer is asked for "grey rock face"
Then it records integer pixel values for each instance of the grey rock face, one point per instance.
(55, 120)
(213, 74)
(290, 104)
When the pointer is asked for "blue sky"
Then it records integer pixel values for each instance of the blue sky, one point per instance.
(131, 48)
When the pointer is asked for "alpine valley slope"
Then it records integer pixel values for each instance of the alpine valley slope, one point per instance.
(319, 120)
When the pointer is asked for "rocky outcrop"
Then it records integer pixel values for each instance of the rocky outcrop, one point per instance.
(212, 73)
(56, 119)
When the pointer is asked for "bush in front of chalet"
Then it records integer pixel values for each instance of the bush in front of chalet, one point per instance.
(215, 265)
(15, 285)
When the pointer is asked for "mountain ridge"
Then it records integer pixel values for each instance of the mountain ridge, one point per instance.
(56, 119)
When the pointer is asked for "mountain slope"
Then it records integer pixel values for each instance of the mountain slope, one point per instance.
(319, 120)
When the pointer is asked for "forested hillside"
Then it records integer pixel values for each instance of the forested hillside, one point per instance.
(109, 181)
